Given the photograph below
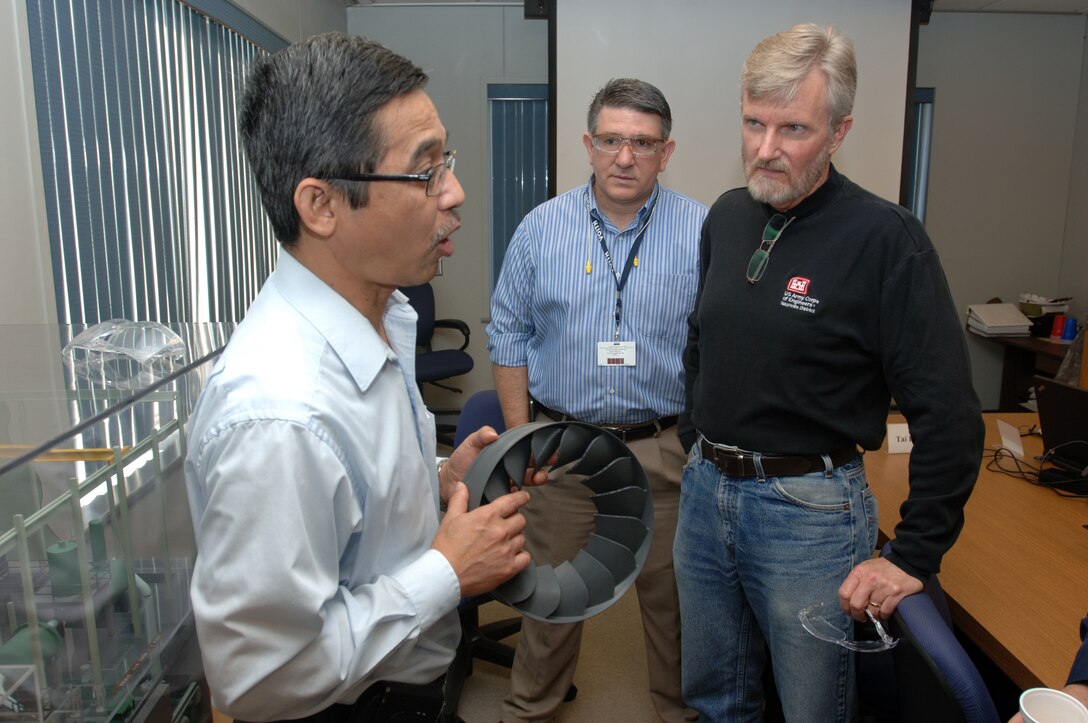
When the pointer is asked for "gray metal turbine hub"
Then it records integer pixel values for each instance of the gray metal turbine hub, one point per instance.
(600, 573)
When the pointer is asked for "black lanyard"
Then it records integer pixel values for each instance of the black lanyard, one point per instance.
(621, 278)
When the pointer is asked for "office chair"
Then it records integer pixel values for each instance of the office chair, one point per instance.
(929, 676)
(482, 408)
(479, 641)
(434, 366)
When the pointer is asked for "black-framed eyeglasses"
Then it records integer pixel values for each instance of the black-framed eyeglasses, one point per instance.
(776, 224)
(613, 144)
(434, 177)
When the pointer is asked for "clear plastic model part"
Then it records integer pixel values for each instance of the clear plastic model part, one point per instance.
(124, 354)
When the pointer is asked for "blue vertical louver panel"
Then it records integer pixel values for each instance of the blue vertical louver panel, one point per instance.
(921, 144)
(519, 160)
(153, 214)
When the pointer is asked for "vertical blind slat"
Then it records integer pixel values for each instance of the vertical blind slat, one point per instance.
(152, 211)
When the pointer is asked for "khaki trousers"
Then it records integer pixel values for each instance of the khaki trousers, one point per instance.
(560, 517)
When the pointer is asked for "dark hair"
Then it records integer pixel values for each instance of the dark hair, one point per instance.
(632, 94)
(308, 111)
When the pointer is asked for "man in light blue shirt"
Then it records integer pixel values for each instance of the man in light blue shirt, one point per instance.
(326, 582)
(588, 322)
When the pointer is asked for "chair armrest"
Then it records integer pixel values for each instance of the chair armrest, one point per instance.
(457, 325)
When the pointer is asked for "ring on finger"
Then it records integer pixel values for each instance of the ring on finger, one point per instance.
(874, 604)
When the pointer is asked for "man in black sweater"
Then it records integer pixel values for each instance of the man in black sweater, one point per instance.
(818, 303)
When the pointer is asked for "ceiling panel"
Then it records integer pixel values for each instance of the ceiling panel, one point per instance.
(1012, 6)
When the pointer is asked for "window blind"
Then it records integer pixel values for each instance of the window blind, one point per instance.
(152, 212)
(518, 120)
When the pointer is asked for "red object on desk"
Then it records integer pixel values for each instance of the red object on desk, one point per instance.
(1058, 327)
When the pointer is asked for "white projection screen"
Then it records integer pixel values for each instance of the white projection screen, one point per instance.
(693, 51)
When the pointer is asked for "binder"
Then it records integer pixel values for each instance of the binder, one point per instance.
(998, 320)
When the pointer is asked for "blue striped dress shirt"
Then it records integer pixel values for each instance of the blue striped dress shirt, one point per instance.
(549, 314)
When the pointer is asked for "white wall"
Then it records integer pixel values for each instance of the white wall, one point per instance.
(1006, 197)
(463, 47)
(693, 52)
(295, 20)
(1073, 274)
(26, 274)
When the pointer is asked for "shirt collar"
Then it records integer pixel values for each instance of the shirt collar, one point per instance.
(347, 332)
(642, 212)
(819, 198)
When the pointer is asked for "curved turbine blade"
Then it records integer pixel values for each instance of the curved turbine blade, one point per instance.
(576, 437)
(626, 502)
(603, 449)
(616, 475)
(517, 588)
(617, 558)
(545, 442)
(497, 486)
(627, 531)
(596, 576)
(545, 598)
(516, 460)
(574, 596)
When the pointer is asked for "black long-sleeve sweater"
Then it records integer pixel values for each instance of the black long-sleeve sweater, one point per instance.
(852, 311)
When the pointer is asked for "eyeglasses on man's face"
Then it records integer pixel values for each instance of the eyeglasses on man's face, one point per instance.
(434, 177)
(613, 144)
(776, 224)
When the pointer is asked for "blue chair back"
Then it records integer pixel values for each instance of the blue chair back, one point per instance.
(481, 409)
(483, 642)
(935, 678)
(422, 300)
(434, 366)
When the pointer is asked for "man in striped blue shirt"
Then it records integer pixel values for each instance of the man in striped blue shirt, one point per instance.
(588, 322)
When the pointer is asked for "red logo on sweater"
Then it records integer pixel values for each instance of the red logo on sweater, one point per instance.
(798, 285)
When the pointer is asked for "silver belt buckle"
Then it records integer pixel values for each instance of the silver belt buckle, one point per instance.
(728, 449)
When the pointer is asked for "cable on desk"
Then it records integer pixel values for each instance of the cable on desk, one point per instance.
(1003, 461)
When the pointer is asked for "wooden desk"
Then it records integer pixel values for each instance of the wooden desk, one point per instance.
(1025, 356)
(1017, 577)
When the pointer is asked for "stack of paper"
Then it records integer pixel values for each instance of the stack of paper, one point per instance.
(1035, 305)
(997, 320)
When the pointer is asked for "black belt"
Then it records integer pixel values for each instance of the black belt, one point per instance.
(626, 432)
(742, 464)
(384, 701)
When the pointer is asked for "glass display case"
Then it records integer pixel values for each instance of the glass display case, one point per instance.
(96, 542)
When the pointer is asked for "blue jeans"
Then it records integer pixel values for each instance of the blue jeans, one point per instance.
(750, 552)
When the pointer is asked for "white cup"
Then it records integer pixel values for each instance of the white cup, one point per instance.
(1046, 705)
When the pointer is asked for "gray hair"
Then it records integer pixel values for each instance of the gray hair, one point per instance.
(778, 66)
(309, 111)
(634, 95)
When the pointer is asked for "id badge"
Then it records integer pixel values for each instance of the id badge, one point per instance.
(615, 353)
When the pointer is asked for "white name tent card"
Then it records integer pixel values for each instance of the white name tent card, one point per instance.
(899, 441)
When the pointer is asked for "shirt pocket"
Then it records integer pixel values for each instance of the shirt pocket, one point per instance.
(662, 306)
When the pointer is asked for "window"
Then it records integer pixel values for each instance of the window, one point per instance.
(153, 214)
(519, 160)
(920, 142)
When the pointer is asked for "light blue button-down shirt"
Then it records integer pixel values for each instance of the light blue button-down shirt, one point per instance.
(549, 314)
(314, 497)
